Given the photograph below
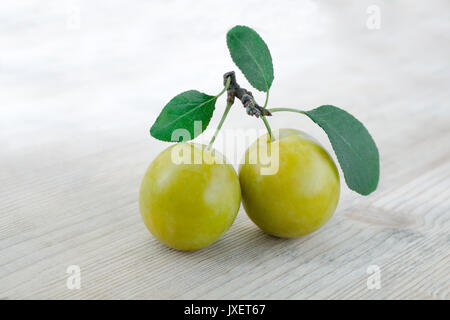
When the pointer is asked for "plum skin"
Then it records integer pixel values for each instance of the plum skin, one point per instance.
(189, 206)
(301, 196)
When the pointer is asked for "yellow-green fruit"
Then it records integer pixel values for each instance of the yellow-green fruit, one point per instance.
(300, 196)
(189, 196)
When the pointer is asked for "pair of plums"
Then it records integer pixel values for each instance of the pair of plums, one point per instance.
(188, 206)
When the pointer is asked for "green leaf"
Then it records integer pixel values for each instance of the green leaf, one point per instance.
(181, 113)
(353, 145)
(250, 53)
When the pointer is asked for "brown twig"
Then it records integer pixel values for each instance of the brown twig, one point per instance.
(246, 97)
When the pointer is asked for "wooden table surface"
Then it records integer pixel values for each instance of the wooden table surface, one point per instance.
(81, 82)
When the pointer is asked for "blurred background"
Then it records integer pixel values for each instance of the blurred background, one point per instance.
(86, 76)
(81, 82)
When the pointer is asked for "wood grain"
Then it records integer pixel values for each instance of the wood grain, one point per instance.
(77, 105)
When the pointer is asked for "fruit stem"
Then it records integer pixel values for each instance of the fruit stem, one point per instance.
(269, 130)
(226, 86)
(263, 117)
(227, 82)
(219, 126)
(285, 109)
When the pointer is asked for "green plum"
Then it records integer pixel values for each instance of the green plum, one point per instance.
(189, 196)
(300, 196)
